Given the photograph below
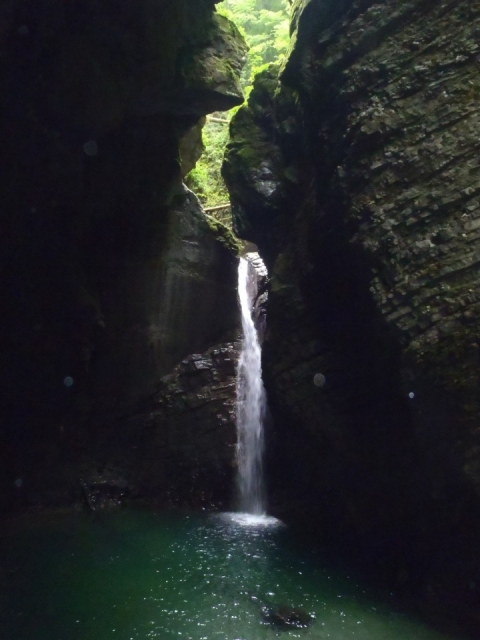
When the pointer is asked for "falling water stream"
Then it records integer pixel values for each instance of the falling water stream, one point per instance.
(250, 400)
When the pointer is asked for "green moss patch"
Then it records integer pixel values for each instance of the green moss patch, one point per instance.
(224, 235)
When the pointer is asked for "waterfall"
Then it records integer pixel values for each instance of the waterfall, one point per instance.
(251, 402)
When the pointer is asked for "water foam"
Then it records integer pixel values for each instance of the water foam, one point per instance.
(251, 401)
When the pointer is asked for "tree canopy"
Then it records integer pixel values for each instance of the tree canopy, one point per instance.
(265, 25)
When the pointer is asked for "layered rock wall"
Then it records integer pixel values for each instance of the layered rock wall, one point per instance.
(111, 274)
(357, 175)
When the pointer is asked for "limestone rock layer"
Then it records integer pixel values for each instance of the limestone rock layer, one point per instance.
(357, 173)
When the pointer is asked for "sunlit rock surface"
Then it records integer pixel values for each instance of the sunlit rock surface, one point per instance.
(111, 274)
(372, 247)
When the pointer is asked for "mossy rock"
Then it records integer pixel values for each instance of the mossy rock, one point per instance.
(212, 68)
(224, 235)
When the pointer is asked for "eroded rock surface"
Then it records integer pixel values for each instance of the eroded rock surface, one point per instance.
(358, 178)
(259, 311)
(111, 274)
(178, 448)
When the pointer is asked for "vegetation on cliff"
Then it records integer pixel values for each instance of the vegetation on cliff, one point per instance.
(265, 27)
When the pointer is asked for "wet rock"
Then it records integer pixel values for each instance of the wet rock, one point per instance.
(284, 618)
(372, 250)
(182, 442)
(103, 491)
(260, 299)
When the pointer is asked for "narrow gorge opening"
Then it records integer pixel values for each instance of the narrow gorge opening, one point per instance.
(265, 26)
(133, 492)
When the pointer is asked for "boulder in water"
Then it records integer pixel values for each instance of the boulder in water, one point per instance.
(283, 617)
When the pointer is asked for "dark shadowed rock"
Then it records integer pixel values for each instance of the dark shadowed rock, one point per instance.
(178, 448)
(111, 274)
(103, 491)
(371, 237)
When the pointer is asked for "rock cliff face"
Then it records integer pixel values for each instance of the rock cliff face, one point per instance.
(178, 447)
(111, 274)
(357, 175)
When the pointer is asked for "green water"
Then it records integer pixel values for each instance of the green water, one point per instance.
(137, 574)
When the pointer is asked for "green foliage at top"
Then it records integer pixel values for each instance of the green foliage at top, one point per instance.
(265, 26)
(205, 179)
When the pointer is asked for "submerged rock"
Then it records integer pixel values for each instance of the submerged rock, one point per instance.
(284, 618)
(281, 616)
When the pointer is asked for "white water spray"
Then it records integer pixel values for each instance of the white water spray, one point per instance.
(251, 401)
